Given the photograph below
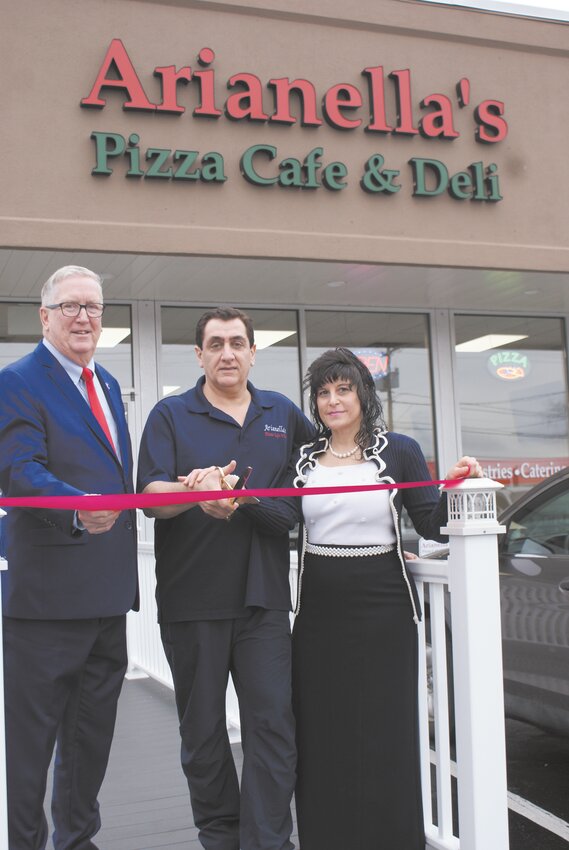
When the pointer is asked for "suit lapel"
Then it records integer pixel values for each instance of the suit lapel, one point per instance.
(117, 409)
(57, 374)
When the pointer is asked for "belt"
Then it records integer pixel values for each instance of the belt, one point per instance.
(349, 551)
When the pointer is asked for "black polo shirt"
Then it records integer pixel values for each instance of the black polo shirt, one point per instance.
(207, 568)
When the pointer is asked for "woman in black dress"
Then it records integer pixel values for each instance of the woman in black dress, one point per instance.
(355, 634)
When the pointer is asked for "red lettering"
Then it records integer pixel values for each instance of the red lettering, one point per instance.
(207, 107)
(463, 92)
(248, 103)
(491, 127)
(283, 88)
(117, 60)
(338, 98)
(295, 100)
(378, 123)
(439, 121)
(170, 78)
(403, 96)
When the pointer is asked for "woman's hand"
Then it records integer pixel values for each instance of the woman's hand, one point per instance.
(466, 467)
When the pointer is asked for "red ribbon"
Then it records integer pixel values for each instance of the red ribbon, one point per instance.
(128, 501)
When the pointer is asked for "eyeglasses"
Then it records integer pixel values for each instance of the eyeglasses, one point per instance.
(72, 309)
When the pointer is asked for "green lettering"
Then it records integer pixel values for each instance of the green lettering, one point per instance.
(460, 186)
(183, 170)
(290, 173)
(133, 153)
(247, 169)
(311, 166)
(493, 182)
(333, 174)
(160, 155)
(436, 169)
(107, 145)
(213, 168)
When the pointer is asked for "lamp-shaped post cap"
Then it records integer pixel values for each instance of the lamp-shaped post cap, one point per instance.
(472, 507)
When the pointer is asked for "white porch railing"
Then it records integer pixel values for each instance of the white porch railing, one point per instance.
(464, 610)
(463, 591)
(432, 580)
(145, 653)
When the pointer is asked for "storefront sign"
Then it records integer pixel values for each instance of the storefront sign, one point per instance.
(522, 472)
(343, 107)
(509, 365)
(516, 472)
(376, 360)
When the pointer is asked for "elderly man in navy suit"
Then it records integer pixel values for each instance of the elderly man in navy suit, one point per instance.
(71, 575)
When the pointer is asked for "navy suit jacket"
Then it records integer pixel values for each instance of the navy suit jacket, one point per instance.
(52, 445)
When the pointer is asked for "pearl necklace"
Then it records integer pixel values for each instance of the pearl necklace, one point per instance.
(342, 454)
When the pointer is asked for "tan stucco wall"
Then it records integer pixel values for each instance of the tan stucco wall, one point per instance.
(50, 199)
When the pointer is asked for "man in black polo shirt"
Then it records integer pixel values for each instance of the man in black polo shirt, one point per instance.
(222, 587)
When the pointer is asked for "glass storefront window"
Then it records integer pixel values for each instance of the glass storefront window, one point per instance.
(276, 364)
(114, 350)
(512, 389)
(395, 347)
(20, 332)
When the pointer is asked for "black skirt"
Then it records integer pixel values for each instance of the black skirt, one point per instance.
(355, 700)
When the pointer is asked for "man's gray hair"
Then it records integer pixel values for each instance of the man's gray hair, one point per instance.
(63, 273)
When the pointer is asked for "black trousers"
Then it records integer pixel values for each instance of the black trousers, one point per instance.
(257, 651)
(62, 683)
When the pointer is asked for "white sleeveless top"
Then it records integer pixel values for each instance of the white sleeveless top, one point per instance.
(347, 519)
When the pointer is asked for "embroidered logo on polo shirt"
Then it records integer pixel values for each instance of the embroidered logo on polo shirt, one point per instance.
(278, 431)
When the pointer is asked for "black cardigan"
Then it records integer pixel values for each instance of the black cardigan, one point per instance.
(398, 459)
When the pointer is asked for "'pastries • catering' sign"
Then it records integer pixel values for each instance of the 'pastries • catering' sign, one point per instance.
(343, 106)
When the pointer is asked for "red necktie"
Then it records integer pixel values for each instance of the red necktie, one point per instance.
(98, 413)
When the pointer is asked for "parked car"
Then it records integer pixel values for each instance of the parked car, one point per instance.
(534, 592)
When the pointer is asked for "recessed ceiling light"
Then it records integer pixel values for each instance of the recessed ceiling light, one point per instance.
(112, 336)
(335, 284)
(485, 343)
(264, 339)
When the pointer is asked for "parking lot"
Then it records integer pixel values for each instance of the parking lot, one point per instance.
(538, 782)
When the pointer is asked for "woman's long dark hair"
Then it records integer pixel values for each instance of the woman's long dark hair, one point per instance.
(341, 364)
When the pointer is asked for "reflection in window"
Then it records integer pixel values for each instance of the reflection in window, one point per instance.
(512, 390)
(276, 362)
(20, 332)
(114, 350)
(541, 529)
(395, 347)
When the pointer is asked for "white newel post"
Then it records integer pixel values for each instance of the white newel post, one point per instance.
(477, 665)
(3, 785)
